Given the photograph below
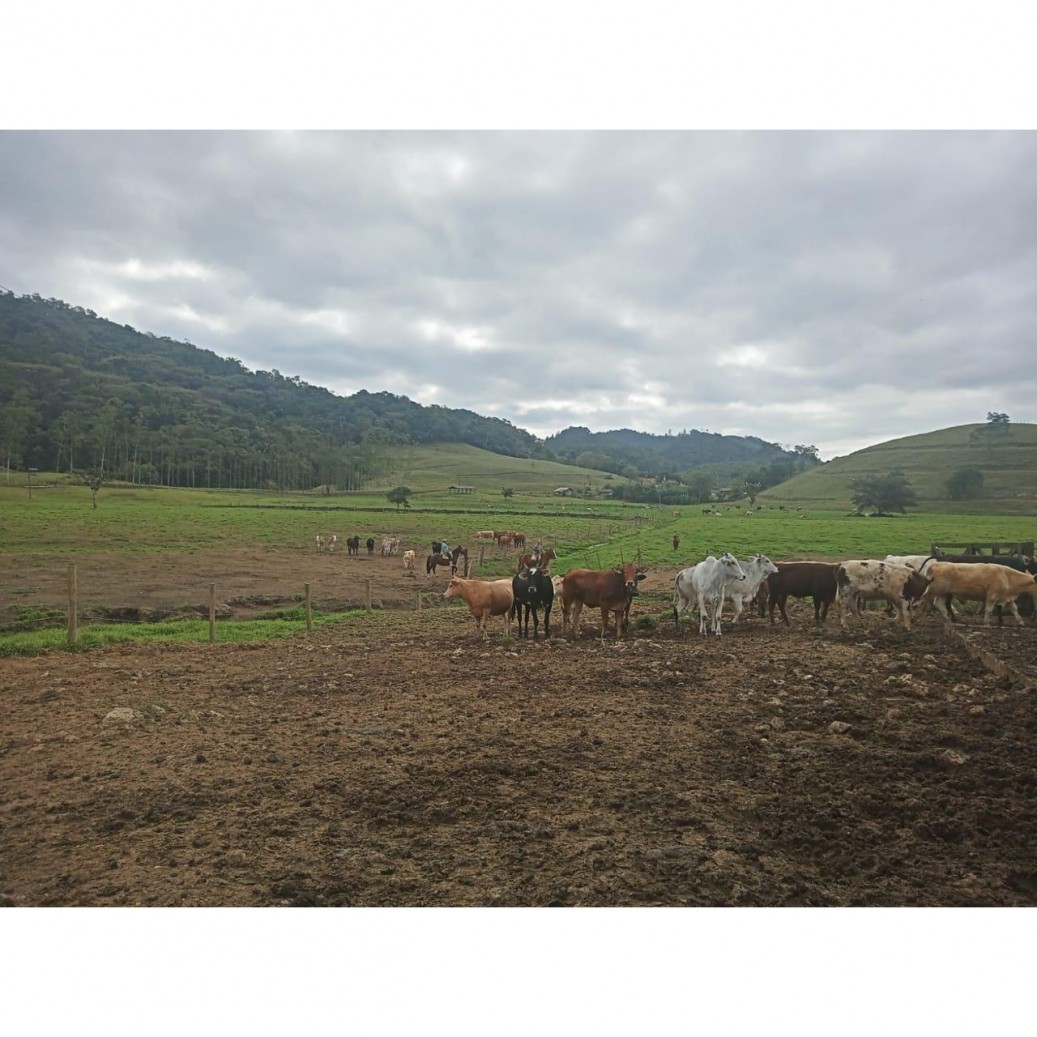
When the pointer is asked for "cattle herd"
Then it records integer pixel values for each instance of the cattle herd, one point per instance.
(904, 582)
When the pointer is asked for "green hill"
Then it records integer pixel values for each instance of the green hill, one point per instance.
(1006, 458)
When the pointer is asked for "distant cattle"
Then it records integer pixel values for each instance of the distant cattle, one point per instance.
(533, 590)
(370, 545)
(320, 544)
(986, 582)
(484, 534)
(676, 541)
(611, 590)
(390, 546)
(408, 559)
(330, 543)
(814, 580)
(353, 546)
(706, 583)
(484, 598)
(872, 580)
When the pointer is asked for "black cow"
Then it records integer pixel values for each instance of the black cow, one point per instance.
(353, 545)
(533, 590)
(370, 545)
(801, 580)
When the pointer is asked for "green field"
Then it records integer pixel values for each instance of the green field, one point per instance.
(59, 521)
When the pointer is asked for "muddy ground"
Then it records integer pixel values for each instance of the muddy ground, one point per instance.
(399, 760)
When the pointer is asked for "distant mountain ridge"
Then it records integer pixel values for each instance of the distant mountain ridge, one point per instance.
(78, 391)
(672, 453)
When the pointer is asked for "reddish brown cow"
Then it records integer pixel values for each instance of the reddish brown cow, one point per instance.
(802, 580)
(611, 590)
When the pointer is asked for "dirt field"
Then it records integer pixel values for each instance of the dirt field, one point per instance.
(399, 760)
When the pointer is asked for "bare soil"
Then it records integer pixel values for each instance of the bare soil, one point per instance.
(398, 759)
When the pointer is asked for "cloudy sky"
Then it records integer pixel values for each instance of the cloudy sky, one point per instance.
(830, 288)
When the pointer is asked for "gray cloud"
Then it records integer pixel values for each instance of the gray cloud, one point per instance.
(829, 288)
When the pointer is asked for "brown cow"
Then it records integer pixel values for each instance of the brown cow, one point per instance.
(484, 598)
(611, 590)
(802, 580)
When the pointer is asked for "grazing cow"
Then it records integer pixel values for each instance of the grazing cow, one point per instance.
(611, 590)
(518, 539)
(530, 561)
(872, 580)
(987, 582)
(484, 534)
(408, 559)
(320, 544)
(330, 543)
(708, 581)
(485, 598)
(353, 546)
(370, 545)
(802, 580)
(676, 541)
(533, 590)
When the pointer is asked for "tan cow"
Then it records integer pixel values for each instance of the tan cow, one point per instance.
(408, 559)
(484, 534)
(484, 598)
(983, 581)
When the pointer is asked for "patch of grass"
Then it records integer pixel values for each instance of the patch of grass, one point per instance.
(187, 631)
(34, 617)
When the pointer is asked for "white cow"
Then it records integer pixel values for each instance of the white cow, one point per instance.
(706, 582)
(914, 561)
(756, 570)
(408, 559)
(320, 544)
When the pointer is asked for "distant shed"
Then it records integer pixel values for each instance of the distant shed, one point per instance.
(457, 488)
(564, 491)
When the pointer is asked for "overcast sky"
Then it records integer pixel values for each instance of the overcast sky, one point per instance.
(838, 289)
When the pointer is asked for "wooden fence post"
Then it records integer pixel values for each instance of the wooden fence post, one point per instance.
(212, 613)
(367, 593)
(309, 612)
(73, 604)
(419, 600)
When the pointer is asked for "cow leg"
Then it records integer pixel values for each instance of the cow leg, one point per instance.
(547, 621)
(536, 621)
(702, 614)
(782, 599)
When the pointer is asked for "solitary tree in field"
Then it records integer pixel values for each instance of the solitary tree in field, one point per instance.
(91, 478)
(996, 418)
(883, 494)
(507, 491)
(965, 484)
(400, 496)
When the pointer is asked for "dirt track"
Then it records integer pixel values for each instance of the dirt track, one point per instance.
(398, 760)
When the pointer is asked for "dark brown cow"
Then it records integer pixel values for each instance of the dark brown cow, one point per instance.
(611, 590)
(802, 580)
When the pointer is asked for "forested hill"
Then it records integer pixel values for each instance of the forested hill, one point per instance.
(78, 391)
(671, 454)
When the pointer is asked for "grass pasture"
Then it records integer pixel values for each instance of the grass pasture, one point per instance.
(58, 526)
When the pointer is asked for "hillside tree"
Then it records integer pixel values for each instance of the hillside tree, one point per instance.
(965, 484)
(883, 494)
(400, 496)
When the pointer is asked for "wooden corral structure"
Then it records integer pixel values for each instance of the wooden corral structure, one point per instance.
(991, 547)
